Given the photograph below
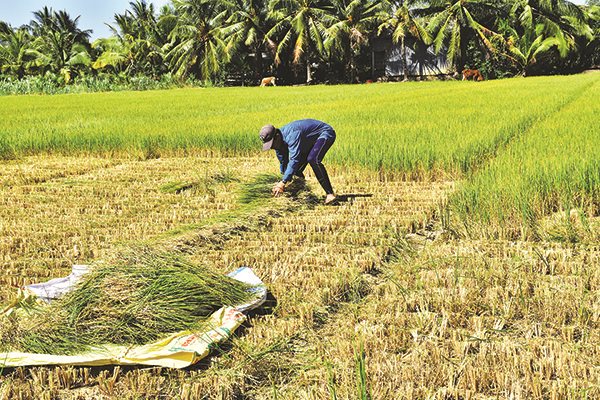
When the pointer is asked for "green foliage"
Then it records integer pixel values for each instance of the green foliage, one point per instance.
(60, 46)
(453, 23)
(300, 29)
(401, 22)
(245, 31)
(197, 46)
(54, 84)
(207, 39)
(349, 28)
(552, 168)
(135, 299)
(363, 392)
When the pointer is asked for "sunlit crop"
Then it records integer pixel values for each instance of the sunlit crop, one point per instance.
(553, 168)
(414, 128)
(460, 263)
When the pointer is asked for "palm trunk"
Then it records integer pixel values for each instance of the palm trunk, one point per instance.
(460, 65)
(352, 68)
(258, 64)
(308, 71)
(353, 74)
(404, 60)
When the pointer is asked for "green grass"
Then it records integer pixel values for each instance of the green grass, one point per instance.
(412, 127)
(526, 146)
(553, 168)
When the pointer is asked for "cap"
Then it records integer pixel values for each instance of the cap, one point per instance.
(267, 134)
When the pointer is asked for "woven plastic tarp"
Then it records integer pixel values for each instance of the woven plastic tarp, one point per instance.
(178, 350)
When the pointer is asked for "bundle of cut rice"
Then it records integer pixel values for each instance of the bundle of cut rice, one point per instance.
(136, 299)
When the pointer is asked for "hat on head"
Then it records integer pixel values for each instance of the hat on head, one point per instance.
(267, 134)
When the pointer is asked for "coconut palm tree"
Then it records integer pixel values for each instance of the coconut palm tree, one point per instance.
(560, 21)
(165, 23)
(247, 26)
(350, 26)
(15, 54)
(453, 22)
(46, 20)
(401, 22)
(64, 23)
(56, 52)
(144, 17)
(4, 28)
(43, 21)
(60, 45)
(592, 50)
(197, 45)
(300, 27)
(142, 37)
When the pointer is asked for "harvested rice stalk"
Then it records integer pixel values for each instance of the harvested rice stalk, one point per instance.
(259, 188)
(135, 299)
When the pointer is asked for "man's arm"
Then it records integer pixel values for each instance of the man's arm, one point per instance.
(283, 157)
(294, 160)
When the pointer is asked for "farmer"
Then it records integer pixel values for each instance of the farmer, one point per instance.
(297, 144)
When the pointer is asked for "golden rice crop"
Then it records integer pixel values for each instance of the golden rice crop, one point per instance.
(52, 218)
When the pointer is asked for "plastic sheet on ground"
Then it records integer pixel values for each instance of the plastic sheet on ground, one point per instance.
(178, 350)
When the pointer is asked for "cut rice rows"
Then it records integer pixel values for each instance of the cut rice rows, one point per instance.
(367, 297)
(53, 217)
(312, 257)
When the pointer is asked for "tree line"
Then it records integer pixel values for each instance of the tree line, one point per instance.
(303, 40)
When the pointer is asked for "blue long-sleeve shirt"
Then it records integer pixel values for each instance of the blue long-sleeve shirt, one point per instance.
(299, 138)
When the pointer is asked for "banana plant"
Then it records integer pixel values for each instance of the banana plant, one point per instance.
(524, 49)
(115, 54)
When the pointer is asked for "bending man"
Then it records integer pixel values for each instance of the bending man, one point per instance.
(297, 144)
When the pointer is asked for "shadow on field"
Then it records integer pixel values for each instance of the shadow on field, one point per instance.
(345, 198)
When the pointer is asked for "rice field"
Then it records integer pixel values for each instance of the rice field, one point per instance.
(416, 127)
(552, 169)
(461, 263)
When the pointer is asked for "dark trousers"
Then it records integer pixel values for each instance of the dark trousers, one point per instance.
(315, 158)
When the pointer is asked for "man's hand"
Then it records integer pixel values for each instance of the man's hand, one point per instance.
(278, 188)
